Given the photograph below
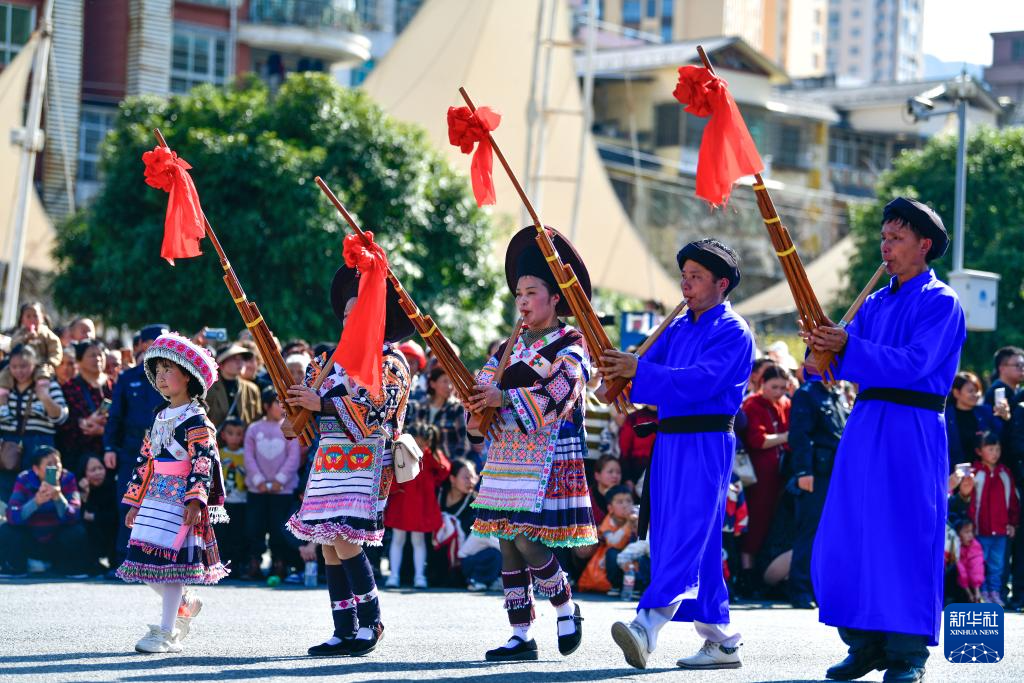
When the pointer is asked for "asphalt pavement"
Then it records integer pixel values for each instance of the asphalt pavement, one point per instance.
(86, 631)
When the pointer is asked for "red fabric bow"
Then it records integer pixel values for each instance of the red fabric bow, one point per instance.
(466, 128)
(360, 350)
(183, 224)
(727, 152)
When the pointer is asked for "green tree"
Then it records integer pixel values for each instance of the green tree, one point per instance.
(254, 156)
(994, 223)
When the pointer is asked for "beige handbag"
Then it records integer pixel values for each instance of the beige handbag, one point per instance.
(743, 468)
(407, 457)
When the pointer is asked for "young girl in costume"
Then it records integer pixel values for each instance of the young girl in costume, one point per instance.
(343, 505)
(176, 492)
(533, 495)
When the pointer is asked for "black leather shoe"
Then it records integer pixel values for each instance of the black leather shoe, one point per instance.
(568, 644)
(357, 647)
(903, 672)
(522, 651)
(857, 665)
(339, 649)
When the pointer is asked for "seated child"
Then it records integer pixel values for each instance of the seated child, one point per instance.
(970, 566)
(617, 530)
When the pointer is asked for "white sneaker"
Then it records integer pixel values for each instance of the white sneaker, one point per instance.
(393, 581)
(633, 641)
(158, 641)
(189, 610)
(419, 582)
(476, 587)
(713, 656)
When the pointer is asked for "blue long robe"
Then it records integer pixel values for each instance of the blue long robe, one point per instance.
(877, 558)
(695, 368)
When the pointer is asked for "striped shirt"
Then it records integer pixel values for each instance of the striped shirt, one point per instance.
(38, 421)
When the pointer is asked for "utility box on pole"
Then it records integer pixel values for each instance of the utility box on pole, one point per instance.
(979, 296)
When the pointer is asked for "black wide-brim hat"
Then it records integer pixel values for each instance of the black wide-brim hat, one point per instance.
(524, 257)
(345, 286)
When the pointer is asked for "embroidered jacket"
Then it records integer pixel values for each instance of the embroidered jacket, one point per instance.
(195, 439)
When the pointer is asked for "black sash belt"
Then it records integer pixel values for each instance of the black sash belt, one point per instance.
(683, 424)
(905, 397)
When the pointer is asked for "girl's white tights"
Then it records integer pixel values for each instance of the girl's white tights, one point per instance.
(419, 551)
(170, 594)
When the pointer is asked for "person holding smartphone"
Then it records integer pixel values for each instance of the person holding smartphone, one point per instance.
(44, 520)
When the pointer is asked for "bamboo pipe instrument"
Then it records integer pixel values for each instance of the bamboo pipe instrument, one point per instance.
(261, 334)
(586, 318)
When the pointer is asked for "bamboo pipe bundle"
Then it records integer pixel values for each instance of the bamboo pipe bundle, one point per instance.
(479, 424)
(586, 318)
(261, 334)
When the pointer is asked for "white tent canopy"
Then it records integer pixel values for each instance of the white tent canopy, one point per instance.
(488, 48)
(39, 239)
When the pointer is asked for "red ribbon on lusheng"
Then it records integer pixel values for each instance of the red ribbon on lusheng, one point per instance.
(465, 129)
(361, 349)
(183, 224)
(727, 152)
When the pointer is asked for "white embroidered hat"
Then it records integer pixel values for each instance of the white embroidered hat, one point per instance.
(192, 358)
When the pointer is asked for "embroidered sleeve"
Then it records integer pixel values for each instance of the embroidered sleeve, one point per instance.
(551, 399)
(362, 414)
(202, 452)
(141, 476)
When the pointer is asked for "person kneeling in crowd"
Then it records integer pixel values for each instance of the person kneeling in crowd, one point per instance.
(44, 520)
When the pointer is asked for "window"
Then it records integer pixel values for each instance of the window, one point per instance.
(95, 123)
(668, 125)
(666, 9)
(666, 31)
(789, 151)
(198, 56)
(631, 12)
(652, 8)
(1017, 50)
(404, 13)
(854, 50)
(16, 24)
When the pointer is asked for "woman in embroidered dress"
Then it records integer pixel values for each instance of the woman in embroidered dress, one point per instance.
(534, 492)
(343, 505)
(176, 492)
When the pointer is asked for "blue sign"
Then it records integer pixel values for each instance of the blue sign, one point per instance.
(973, 633)
(635, 327)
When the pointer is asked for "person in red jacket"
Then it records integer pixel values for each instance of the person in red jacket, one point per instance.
(636, 441)
(767, 438)
(995, 511)
(970, 566)
(413, 509)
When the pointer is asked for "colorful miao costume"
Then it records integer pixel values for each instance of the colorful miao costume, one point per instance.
(352, 473)
(178, 463)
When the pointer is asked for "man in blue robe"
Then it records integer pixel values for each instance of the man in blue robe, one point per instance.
(695, 373)
(877, 557)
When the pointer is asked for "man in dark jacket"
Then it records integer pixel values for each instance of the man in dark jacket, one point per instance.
(133, 405)
(816, 421)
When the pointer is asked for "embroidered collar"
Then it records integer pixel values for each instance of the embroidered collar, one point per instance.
(168, 420)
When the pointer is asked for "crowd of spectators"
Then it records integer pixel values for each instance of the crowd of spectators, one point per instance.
(74, 411)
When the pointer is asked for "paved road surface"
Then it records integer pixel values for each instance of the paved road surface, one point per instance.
(85, 631)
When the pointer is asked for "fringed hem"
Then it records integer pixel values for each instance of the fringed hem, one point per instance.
(169, 554)
(193, 574)
(326, 533)
(564, 537)
(218, 514)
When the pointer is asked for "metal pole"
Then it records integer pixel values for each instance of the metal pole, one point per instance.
(961, 187)
(30, 145)
(588, 113)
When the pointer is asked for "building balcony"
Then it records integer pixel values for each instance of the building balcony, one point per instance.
(318, 29)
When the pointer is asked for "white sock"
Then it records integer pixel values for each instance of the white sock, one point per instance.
(566, 626)
(364, 633)
(419, 553)
(653, 619)
(333, 640)
(395, 554)
(171, 602)
(522, 632)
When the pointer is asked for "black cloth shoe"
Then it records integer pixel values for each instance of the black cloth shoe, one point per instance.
(522, 651)
(568, 644)
(857, 665)
(357, 647)
(903, 672)
(339, 649)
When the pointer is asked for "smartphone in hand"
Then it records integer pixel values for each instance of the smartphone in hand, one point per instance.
(51, 475)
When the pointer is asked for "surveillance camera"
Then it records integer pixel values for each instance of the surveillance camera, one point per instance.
(919, 107)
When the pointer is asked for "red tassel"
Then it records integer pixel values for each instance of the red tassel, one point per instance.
(466, 128)
(361, 349)
(183, 223)
(727, 152)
